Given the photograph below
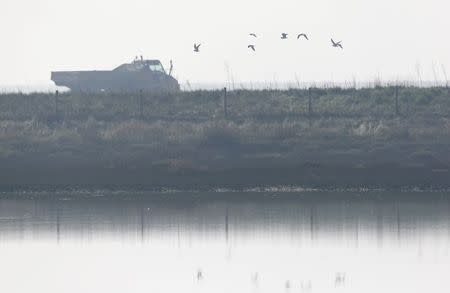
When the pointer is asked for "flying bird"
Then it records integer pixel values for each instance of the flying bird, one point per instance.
(253, 35)
(251, 47)
(197, 47)
(302, 35)
(336, 44)
(339, 280)
(199, 275)
(284, 36)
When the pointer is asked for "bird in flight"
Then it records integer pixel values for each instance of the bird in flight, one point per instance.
(284, 36)
(336, 44)
(302, 35)
(199, 275)
(197, 47)
(253, 35)
(251, 47)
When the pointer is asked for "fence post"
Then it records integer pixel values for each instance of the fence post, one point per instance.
(309, 106)
(56, 103)
(225, 104)
(141, 105)
(397, 112)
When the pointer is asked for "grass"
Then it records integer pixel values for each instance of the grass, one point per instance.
(243, 104)
(265, 128)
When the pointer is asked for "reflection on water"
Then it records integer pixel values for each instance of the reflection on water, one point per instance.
(233, 218)
(228, 242)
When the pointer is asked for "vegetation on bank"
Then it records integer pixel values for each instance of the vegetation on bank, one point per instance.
(188, 131)
(241, 104)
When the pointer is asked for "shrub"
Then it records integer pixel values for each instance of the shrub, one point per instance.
(220, 135)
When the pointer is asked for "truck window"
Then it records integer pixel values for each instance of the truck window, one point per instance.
(156, 67)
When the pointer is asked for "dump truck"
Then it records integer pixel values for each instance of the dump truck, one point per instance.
(139, 75)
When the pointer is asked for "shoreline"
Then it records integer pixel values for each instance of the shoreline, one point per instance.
(379, 138)
(233, 179)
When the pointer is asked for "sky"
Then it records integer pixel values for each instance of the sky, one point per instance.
(383, 40)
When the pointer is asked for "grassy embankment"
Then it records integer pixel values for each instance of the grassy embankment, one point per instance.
(351, 138)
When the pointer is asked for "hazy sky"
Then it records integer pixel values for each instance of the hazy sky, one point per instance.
(384, 38)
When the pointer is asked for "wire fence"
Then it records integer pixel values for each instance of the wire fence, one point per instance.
(264, 105)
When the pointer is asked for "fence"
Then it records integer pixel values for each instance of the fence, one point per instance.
(311, 103)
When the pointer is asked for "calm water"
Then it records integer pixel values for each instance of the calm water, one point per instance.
(225, 242)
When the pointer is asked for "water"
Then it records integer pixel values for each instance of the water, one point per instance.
(225, 242)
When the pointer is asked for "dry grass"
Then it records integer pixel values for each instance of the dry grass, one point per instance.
(190, 126)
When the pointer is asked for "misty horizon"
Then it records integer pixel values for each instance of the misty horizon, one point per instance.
(381, 40)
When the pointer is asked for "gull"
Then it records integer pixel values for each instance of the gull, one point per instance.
(253, 35)
(336, 44)
(199, 275)
(302, 35)
(251, 47)
(197, 47)
(339, 280)
(284, 36)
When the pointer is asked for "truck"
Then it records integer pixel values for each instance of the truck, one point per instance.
(139, 75)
